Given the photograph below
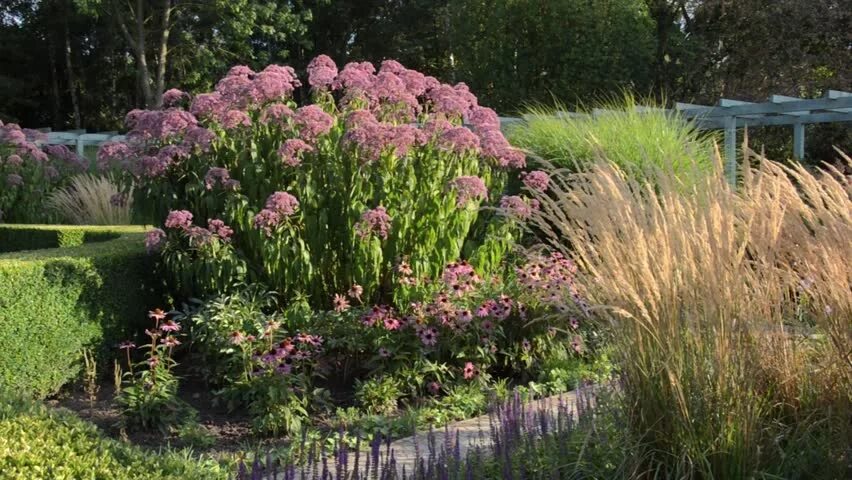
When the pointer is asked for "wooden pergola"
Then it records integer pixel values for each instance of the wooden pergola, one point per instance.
(729, 115)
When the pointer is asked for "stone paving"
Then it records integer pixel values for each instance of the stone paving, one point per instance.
(472, 433)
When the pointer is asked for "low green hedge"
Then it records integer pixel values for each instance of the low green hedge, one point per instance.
(56, 302)
(15, 237)
(41, 443)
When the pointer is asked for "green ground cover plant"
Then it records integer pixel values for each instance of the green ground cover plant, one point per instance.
(39, 443)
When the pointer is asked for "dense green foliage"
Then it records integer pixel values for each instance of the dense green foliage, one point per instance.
(65, 61)
(42, 444)
(56, 302)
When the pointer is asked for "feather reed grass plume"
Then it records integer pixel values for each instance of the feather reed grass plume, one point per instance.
(92, 200)
(732, 312)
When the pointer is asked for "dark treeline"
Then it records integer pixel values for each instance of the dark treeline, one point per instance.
(83, 63)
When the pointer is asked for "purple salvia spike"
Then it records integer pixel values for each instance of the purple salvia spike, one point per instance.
(326, 475)
(357, 457)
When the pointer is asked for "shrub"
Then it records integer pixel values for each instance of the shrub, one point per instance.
(731, 311)
(28, 173)
(39, 443)
(16, 237)
(311, 200)
(91, 200)
(56, 302)
(640, 142)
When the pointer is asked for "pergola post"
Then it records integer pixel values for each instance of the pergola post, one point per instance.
(731, 149)
(799, 141)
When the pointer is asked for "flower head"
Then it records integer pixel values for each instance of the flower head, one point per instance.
(536, 180)
(355, 292)
(518, 208)
(469, 370)
(154, 240)
(374, 222)
(173, 96)
(181, 219)
(322, 72)
(312, 122)
(469, 188)
(217, 227)
(341, 304)
(126, 345)
(292, 150)
(283, 203)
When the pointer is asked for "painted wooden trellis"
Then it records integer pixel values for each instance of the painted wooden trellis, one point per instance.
(729, 115)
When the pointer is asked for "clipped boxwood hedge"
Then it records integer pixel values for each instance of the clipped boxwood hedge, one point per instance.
(15, 237)
(56, 302)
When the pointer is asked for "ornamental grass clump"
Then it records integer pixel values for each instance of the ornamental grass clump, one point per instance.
(325, 195)
(731, 313)
(640, 141)
(28, 173)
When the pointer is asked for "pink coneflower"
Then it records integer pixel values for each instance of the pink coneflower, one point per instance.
(170, 341)
(526, 345)
(577, 344)
(126, 345)
(341, 304)
(391, 323)
(574, 323)
(157, 315)
(404, 268)
(487, 325)
(464, 316)
(469, 370)
(237, 337)
(429, 336)
(434, 388)
(384, 352)
(153, 361)
(170, 326)
(355, 291)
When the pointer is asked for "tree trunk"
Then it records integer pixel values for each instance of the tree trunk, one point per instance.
(162, 61)
(54, 82)
(69, 71)
(141, 56)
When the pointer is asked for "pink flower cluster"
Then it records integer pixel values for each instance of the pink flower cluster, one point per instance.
(321, 72)
(517, 207)
(285, 354)
(374, 222)
(220, 176)
(372, 137)
(460, 277)
(198, 236)
(312, 121)
(469, 188)
(536, 180)
(382, 316)
(279, 206)
(551, 279)
(292, 150)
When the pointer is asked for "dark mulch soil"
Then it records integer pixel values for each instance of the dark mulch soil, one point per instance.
(230, 432)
